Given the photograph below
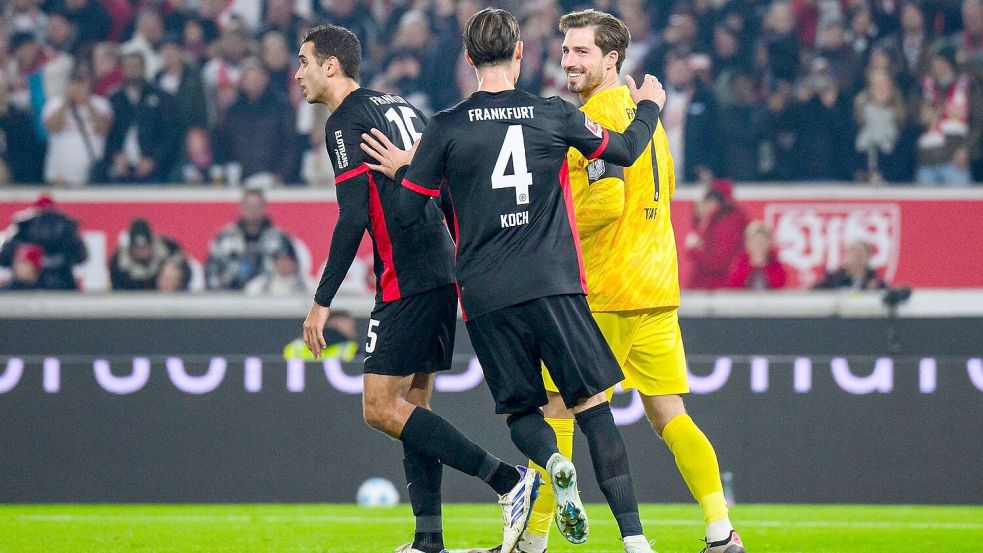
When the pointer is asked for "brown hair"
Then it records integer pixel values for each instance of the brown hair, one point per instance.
(610, 33)
(490, 36)
(339, 43)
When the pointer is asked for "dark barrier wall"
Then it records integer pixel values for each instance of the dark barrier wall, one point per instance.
(799, 410)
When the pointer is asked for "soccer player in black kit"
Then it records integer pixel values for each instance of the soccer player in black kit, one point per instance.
(411, 330)
(502, 153)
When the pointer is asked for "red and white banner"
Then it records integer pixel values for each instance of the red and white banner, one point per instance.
(918, 238)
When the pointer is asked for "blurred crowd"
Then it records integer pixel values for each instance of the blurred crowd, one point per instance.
(202, 91)
(252, 254)
(43, 245)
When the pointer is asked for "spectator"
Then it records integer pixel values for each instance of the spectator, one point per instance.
(758, 267)
(406, 69)
(457, 79)
(863, 31)
(778, 150)
(140, 256)
(107, 71)
(196, 46)
(90, 18)
(728, 53)
(62, 34)
(806, 13)
(779, 42)
(913, 42)
(742, 124)
(969, 51)
(175, 16)
(58, 237)
(689, 118)
(879, 111)
(316, 168)
(350, 15)
(538, 22)
(146, 41)
(968, 43)
(77, 125)
(142, 143)
(198, 164)
(243, 249)
(856, 274)
(680, 36)
(952, 115)
(21, 148)
(181, 80)
(120, 17)
(173, 276)
(276, 59)
(843, 62)
(824, 129)
(26, 269)
(283, 278)
(258, 132)
(717, 238)
(281, 18)
(887, 58)
(222, 74)
(25, 16)
(34, 73)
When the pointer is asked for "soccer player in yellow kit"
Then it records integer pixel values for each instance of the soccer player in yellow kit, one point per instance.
(632, 275)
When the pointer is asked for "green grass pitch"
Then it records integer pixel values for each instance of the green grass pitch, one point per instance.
(347, 528)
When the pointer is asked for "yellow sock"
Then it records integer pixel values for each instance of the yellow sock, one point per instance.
(697, 463)
(542, 512)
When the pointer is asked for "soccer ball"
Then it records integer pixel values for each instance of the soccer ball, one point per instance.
(377, 492)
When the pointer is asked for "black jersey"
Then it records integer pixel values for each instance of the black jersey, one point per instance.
(408, 259)
(504, 158)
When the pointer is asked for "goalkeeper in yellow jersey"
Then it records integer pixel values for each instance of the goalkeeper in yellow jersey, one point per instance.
(630, 258)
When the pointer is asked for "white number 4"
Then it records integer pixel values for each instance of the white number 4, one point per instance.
(370, 346)
(514, 147)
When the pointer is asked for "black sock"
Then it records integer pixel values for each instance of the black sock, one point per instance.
(423, 478)
(431, 435)
(503, 478)
(610, 458)
(533, 436)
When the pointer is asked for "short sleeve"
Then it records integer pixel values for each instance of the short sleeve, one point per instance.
(583, 133)
(426, 173)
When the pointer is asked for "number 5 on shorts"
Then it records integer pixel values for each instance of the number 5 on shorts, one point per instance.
(370, 345)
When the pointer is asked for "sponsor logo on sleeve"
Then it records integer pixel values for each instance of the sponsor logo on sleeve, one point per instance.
(593, 127)
(341, 156)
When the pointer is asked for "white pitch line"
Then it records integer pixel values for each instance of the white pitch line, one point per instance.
(205, 518)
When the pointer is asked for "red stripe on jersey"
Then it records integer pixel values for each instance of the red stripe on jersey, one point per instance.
(600, 149)
(390, 285)
(363, 168)
(571, 217)
(420, 189)
(457, 239)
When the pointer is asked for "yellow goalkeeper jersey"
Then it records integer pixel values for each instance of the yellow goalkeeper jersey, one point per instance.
(623, 217)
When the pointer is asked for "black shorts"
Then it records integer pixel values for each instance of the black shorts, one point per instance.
(412, 335)
(513, 342)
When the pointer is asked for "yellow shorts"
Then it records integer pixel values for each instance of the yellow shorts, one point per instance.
(649, 347)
